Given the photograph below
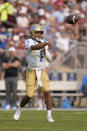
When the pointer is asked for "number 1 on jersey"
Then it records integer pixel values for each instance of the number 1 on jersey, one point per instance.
(41, 56)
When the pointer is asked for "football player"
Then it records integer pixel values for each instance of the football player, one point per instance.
(36, 55)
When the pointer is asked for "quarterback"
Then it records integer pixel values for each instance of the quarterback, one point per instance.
(37, 54)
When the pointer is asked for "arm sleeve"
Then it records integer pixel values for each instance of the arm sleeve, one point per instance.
(47, 55)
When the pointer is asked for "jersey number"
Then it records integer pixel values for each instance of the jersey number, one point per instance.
(41, 56)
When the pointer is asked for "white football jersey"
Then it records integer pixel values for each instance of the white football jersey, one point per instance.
(34, 58)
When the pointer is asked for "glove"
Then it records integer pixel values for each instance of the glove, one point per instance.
(71, 19)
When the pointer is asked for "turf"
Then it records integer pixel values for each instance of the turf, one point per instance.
(36, 121)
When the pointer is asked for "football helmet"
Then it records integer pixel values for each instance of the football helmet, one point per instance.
(36, 28)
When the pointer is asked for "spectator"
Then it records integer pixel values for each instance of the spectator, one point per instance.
(63, 42)
(35, 18)
(6, 9)
(22, 41)
(59, 15)
(4, 38)
(17, 39)
(84, 85)
(10, 66)
(22, 20)
(19, 6)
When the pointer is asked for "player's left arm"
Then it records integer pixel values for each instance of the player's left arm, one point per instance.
(47, 53)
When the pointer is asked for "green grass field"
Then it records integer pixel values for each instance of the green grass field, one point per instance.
(36, 121)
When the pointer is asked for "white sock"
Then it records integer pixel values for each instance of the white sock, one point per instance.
(19, 108)
(48, 112)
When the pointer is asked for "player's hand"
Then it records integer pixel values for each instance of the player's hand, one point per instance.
(50, 45)
(44, 51)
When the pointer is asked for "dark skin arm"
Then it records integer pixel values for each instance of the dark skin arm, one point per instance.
(44, 51)
(38, 46)
(50, 47)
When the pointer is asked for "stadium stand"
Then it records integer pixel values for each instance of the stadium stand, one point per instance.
(69, 53)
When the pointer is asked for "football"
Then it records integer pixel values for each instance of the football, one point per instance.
(71, 19)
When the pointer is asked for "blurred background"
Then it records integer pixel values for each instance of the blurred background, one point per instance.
(69, 52)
